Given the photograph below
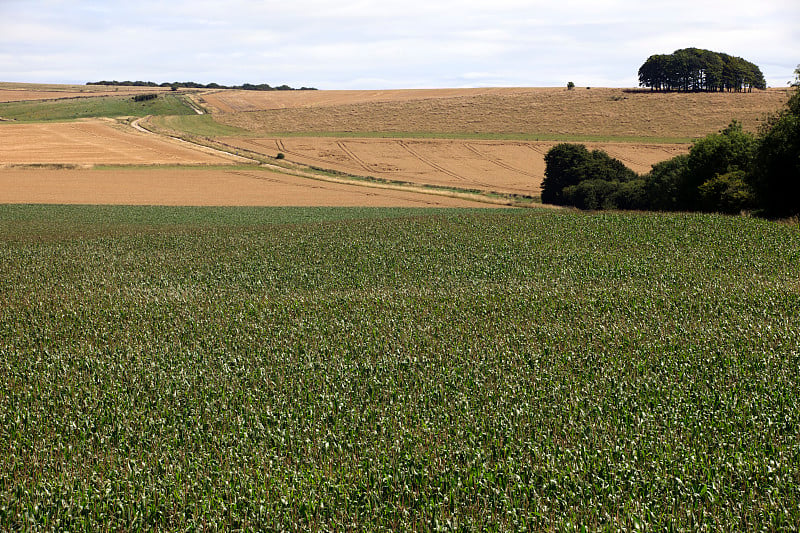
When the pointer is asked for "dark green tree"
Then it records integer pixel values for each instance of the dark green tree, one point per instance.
(575, 176)
(664, 183)
(776, 172)
(719, 153)
(561, 170)
(696, 69)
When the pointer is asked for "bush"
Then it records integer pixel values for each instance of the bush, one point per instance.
(664, 182)
(577, 177)
(726, 193)
(561, 163)
(776, 170)
(570, 85)
(720, 153)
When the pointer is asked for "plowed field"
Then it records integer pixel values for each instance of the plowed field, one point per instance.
(94, 142)
(201, 187)
(515, 167)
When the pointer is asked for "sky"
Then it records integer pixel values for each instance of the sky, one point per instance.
(373, 44)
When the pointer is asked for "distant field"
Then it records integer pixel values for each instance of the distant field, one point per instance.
(232, 101)
(98, 106)
(597, 114)
(13, 92)
(397, 370)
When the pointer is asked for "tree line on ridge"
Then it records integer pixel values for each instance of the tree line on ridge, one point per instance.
(695, 69)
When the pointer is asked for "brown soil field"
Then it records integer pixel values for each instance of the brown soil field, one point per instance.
(515, 167)
(18, 92)
(599, 112)
(202, 187)
(95, 142)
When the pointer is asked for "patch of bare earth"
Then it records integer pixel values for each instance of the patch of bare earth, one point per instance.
(515, 167)
(202, 187)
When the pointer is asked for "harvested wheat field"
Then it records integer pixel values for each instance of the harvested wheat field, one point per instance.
(548, 112)
(514, 167)
(232, 101)
(95, 142)
(202, 187)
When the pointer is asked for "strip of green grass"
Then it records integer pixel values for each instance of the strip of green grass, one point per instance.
(91, 107)
(369, 369)
(197, 125)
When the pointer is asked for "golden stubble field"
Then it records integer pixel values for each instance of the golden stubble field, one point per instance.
(598, 112)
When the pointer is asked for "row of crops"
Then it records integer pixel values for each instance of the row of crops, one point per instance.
(335, 369)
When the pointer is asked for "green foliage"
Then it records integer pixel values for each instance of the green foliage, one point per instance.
(287, 369)
(568, 166)
(89, 107)
(694, 69)
(712, 177)
(561, 164)
(720, 153)
(776, 173)
(726, 193)
(145, 97)
(664, 183)
(570, 85)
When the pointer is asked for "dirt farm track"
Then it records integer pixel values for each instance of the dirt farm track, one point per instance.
(466, 139)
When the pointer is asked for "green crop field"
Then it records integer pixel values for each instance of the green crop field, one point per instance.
(89, 107)
(368, 369)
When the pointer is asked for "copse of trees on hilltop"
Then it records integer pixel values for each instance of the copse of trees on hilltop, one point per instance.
(194, 85)
(694, 69)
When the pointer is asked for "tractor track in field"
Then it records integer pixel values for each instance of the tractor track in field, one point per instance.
(430, 163)
(497, 162)
(353, 156)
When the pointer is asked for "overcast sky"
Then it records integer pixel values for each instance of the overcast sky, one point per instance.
(372, 44)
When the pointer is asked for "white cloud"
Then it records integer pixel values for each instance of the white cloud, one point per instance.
(384, 44)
